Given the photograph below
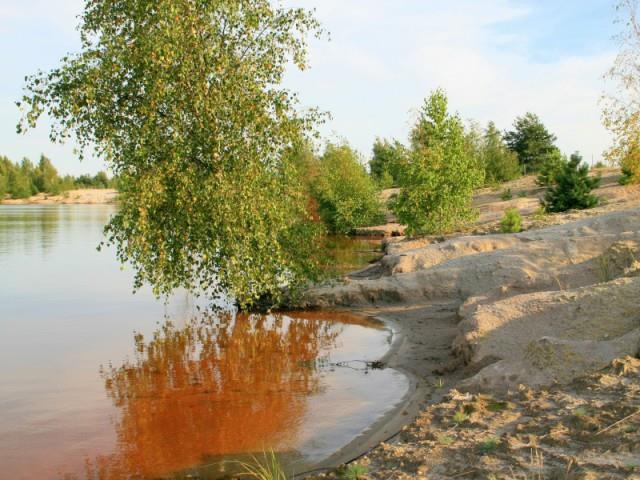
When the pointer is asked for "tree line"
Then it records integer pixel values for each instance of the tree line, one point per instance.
(436, 173)
(24, 179)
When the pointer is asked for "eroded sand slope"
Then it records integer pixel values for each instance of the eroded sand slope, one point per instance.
(537, 307)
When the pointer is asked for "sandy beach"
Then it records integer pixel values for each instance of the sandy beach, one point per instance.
(83, 196)
(522, 346)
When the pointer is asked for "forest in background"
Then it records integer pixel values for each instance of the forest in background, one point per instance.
(24, 179)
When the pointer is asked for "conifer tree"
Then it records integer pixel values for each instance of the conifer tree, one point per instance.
(572, 187)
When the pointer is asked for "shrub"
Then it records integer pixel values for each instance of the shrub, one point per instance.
(572, 188)
(436, 192)
(511, 222)
(630, 165)
(386, 180)
(551, 166)
(628, 176)
(500, 163)
(347, 196)
(506, 195)
(389, 162)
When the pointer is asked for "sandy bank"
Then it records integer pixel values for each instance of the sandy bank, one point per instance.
(84, 196)
(519, 323)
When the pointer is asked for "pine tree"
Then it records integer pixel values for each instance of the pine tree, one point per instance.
(551, 167)
(572, 188)
(531, 140)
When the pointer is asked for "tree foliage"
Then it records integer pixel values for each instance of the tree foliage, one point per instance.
(389, 162)
(347, 196)
(572, 187)
(621, 111)
(437, 189)
(183, 99)
(531, 141)
(550, 168)
(46, 177)
(500, 163)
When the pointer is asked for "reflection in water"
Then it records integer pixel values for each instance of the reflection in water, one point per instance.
(190, 394)
(345, 254)
(218, 386)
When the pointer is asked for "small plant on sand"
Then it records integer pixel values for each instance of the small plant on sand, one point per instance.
(496, 406)
(460, 417)
(489, 445)
(604, 269)
(580, 412)
(511, 222)
(445, 440)
(266, 468)
(540, 214)
(353, 471)
(506, 195)
(522, 194)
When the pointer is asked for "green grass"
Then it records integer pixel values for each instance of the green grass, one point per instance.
(540, 214)
(460, 417)
(489, 445)
(496, 406)
(604, 269)
(352, 471)
(445, 439)
(266, 468)
(506, 195)
(580, 412)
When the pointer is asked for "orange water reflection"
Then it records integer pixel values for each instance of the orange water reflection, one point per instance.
(217, 386)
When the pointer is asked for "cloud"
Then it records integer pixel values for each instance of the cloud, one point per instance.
(386, 56)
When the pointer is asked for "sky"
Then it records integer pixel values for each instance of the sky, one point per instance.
(496, 59)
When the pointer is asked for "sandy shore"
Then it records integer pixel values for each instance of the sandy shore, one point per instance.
(84, 196)
(522, 346)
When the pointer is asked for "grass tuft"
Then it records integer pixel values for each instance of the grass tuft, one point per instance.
(266, 468)
(353, 471)
(489, 445)
(460, 417)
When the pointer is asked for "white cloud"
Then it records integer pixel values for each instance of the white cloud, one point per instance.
(386, 56)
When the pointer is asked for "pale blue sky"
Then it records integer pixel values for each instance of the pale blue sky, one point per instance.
(496, 58)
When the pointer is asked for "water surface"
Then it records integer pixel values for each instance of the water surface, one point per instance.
(97, 383)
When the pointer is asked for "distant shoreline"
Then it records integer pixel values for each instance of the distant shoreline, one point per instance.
(82, 196)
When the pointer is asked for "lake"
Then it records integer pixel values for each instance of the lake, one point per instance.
(99, 383)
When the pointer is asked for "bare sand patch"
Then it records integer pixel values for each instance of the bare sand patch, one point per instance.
(83, 196)
(539, 331)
